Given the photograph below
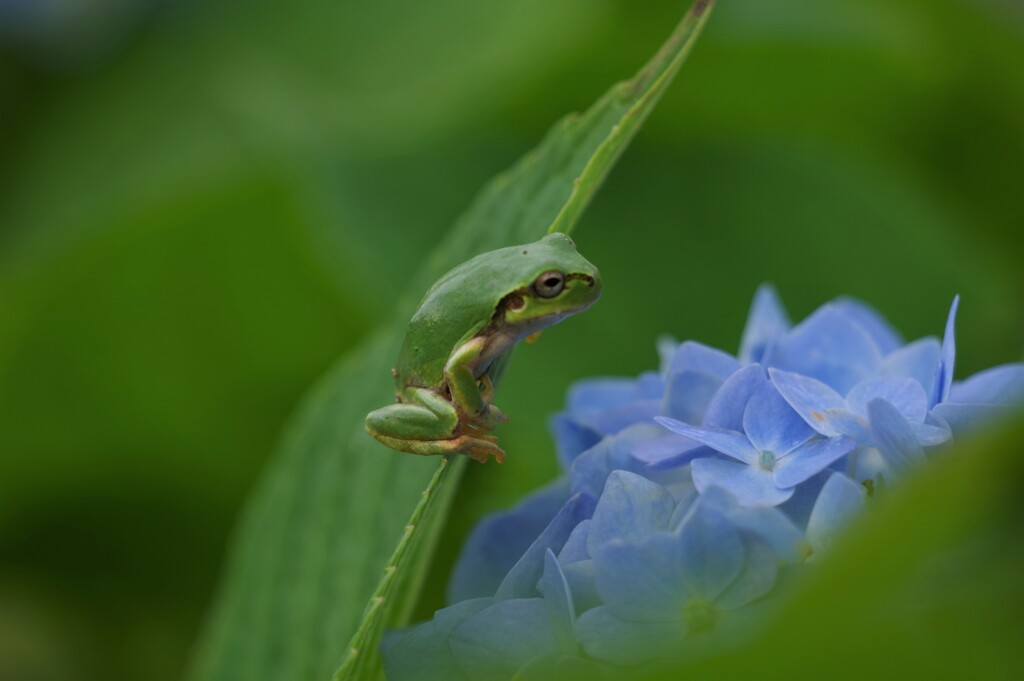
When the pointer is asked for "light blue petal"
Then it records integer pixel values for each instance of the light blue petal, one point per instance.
(726, 408)
(619, 418)
(575, 548)
(811, 458)
(599, 394)
(766, 324)
(710, 552)
(728, 442)
(893, 435)
(580, 576)
(670, 446)
(906, 394)
(521, 580)
(886, 338)
(756, 578)
(630, 508)
(932, 434)
(500, 539)
(998, 385)
(810, 398)
(772, 526)
(607, 637)
(422, 653)
(965, 418)
(590, 470)
(944, 382)
(749, 484)
(494, 643)
(918, 360)
(641, 582)
(771, 424)
(699, 358)
(572, 438)
(561, 611)
(695, 374)
(831, 347)
(839, 501)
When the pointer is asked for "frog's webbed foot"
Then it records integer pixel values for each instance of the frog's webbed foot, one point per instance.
(480, 448)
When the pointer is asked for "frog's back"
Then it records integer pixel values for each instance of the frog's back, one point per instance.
(457, 307)
(463, 302)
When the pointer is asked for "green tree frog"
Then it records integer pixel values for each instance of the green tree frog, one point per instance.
(459, 339)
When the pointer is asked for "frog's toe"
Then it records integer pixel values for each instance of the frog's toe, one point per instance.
(480, 448)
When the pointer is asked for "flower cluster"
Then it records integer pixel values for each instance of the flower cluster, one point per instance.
(687, 490)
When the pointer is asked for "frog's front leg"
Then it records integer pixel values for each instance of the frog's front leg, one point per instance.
(472, 396)
(426, 424)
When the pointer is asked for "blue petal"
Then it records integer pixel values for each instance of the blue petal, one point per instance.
(755, 579)
(619, 418)
(575, 548)
(905, 394)
(726, 408)
(766, 324)
(749, 484)
(607, 637)
(590, 470)
(580, 576)
(522, 578)
(561, 611)
(630, 508)
(695, 374)
(831, 347)
(918, 360)
(811, 399)
(998, 385)
(771, 424)
(572, 438)
(422, 653)
(885, 337)
(599, 394)
(840, 499)
(669, 447)
(500, 539)
(641, 582)
(811, 458)
(944, 381)
(710, 552)
(931, 434)
(728, 442)
(964, 418)
(771, 525)
(500, 639)
(894, 437)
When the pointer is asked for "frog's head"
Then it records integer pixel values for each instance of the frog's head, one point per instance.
(557, 282)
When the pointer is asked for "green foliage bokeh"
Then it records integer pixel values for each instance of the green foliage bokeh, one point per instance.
(195, 224)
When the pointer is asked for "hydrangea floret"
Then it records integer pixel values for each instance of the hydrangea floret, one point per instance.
(686, 493)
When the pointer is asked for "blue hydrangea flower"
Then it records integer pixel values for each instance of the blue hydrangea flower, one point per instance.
(774, 452)
(663, 580)
(684, 492)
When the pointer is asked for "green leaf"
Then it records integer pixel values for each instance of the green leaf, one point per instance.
(304, 575)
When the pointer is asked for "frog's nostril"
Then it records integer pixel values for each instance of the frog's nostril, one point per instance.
(589, 280)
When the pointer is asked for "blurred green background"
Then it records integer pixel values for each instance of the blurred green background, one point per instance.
(202, 205)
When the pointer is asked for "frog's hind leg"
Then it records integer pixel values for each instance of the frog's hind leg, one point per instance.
(427, 424)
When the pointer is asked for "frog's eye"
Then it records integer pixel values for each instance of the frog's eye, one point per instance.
(549, 284)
